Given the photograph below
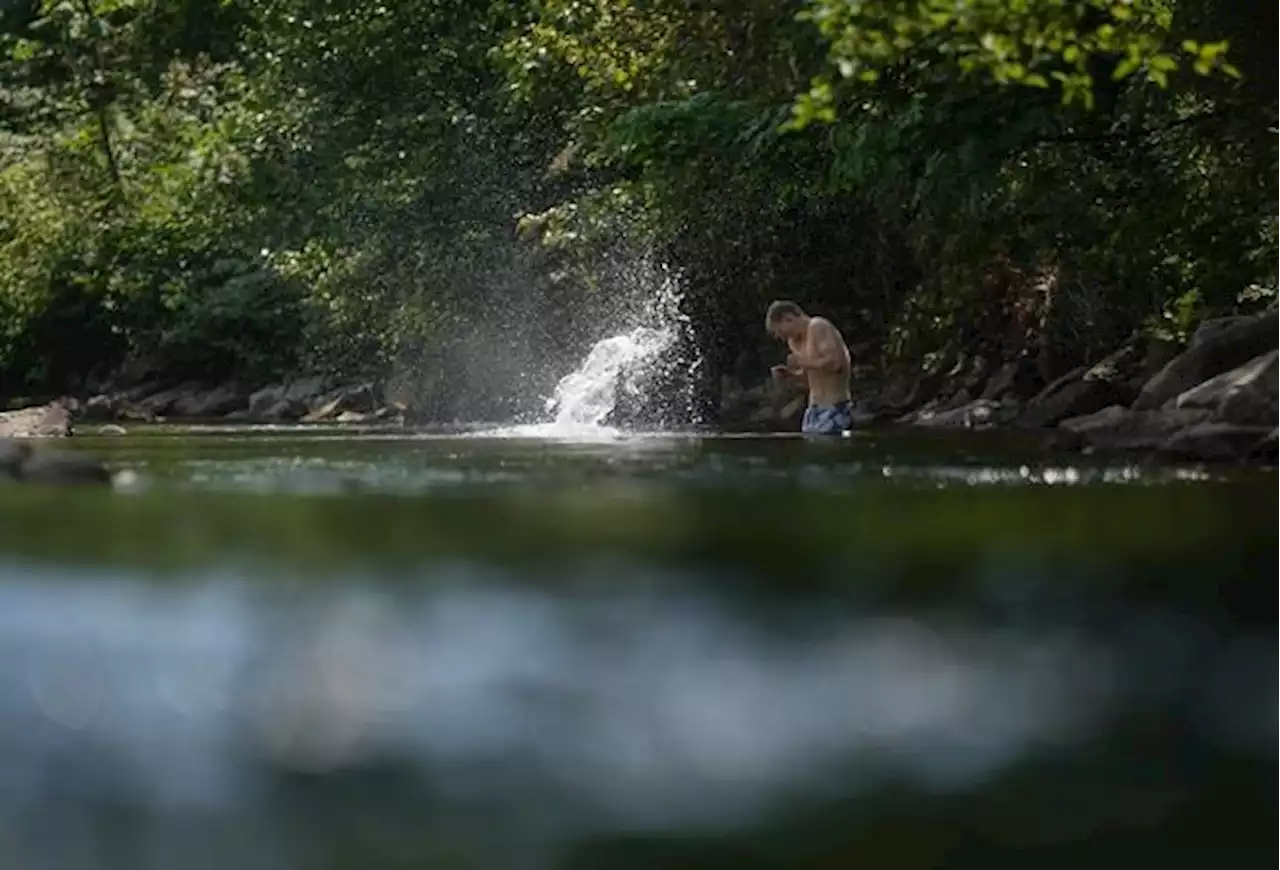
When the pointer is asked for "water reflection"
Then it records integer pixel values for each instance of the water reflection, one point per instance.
(555, 716)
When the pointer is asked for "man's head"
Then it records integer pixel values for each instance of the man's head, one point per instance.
(785, 320)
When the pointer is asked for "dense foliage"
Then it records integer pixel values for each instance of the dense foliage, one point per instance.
(243, 188)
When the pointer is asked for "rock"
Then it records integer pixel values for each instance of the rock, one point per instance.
(977, 374)
(1107, 416)
(209, 403)
(1215, 441)
(352, 417)
(1072, 395)
(1019, 379)
(1221, 350)
(926, 386)
(394, 412)
(1063, 441)
(791, 415)
(42, 421)
(1215, 326)
(1246, 395)
(162, 402)
(1085, 390)
(101, 407)
(24, 462)
(359, 398)
(973, 415)
(288, 401)
(1115, 428)
(1265, 449)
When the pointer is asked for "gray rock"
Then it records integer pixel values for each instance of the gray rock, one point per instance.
(1073, 395)
(101, 407)
(1108, 416)
(1085, 390)
(288, 401)
(1215, 326)
(1223, 349)
(41, 421)
(162, 402)
(1114, 428)
(1018, 379)
(973, 415)
(359, 398)
(1215, 441)
(1246, 395)
(209, 403)
(24, 462)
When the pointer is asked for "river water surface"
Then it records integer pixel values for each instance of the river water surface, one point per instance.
(541, 647)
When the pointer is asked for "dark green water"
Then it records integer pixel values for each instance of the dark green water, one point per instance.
(363, 649)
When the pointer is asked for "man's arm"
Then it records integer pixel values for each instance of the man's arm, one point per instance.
(826, 349)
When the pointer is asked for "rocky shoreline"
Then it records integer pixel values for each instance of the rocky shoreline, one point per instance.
(1216, 401)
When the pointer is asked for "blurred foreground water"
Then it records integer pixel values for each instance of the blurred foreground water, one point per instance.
(316, 649)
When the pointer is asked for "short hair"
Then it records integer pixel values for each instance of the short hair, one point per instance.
(780, 308)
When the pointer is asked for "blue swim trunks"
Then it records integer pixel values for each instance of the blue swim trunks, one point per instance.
(833, 420)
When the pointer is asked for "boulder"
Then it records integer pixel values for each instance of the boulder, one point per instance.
(1075, 394)
(288, 401)
(1215, 326)
(41, 421)
(927, 385)
(103, 406)
(971, 415)
(1105, 417)
(1245, 396)
(1087, 389)
(24, 462)
(360, 398)
(205, 404)
(1215, 441)
(1221, 349)
(1265, 449)
(162, 402)
(977, 374)
(1019, 379)
(1115, 428)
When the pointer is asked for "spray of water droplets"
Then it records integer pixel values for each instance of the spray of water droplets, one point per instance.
(639, 378)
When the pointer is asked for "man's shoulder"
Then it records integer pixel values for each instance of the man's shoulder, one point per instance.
(821, 324)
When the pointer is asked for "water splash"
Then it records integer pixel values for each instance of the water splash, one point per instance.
(615, 366)
(638, 377)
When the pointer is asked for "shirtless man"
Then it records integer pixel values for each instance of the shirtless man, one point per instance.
(819, 357)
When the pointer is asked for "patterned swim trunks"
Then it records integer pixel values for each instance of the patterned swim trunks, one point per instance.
(833, 420)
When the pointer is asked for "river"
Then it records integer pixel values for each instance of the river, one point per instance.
(557, 644)
(297, 647)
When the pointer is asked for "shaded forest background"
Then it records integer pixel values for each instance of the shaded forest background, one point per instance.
(244, 189)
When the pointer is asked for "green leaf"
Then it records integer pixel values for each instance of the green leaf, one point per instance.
(1125, 67)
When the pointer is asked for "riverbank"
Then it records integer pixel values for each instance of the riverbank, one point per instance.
(1215, 401)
